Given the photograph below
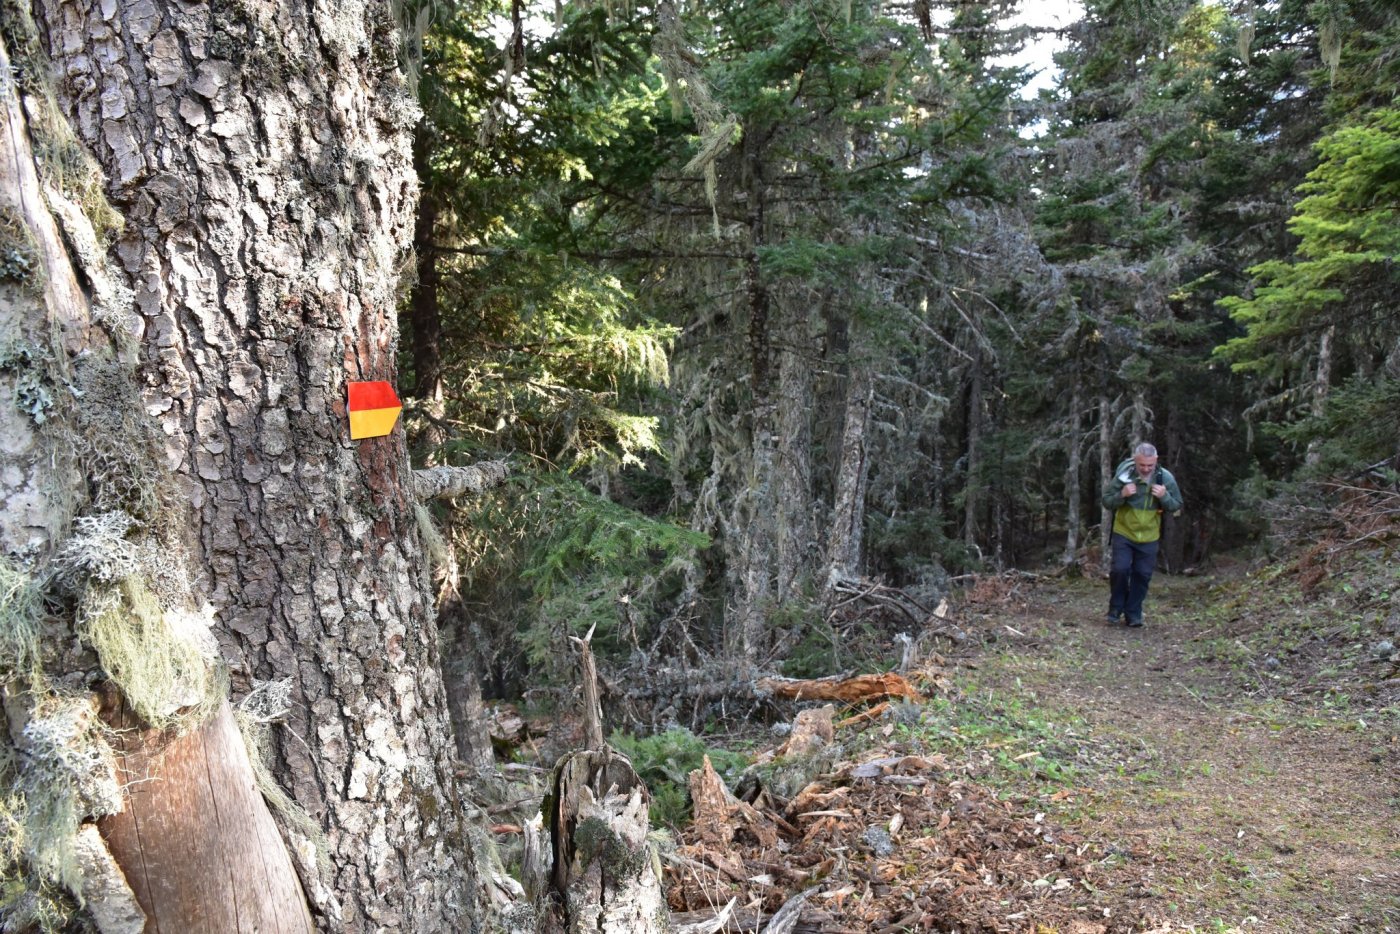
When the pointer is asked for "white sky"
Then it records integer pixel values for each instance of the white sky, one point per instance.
(1036, 56)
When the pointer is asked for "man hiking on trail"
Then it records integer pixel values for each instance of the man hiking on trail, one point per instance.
(1138, 494)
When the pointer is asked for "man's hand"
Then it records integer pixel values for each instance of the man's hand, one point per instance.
(1129, 489)
(1159, 490)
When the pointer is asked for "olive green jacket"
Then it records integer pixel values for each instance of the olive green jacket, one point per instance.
(1139, 517)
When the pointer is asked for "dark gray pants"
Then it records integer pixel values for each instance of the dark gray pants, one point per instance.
(1129, 575)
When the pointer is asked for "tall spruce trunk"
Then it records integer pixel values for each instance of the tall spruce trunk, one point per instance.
(185, 840)
(1106, 465)
(259, 152)
(1073, 490)
(751, 535)
(853, 471)
(795, 533)
(972, 492)
(1322, 388)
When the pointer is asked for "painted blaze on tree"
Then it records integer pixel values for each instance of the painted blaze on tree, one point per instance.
(374, 409)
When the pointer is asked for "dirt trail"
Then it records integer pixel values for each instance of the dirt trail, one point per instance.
(1239, 792)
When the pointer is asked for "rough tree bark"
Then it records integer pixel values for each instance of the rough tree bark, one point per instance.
(972, 490)
(68, 391)
(750, 537)
(852, 473)
(1106, 465)
(795, 532)
(1322, 388)
(259, 152)
(1074, 506)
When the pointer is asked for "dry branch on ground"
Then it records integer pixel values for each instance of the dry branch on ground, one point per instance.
(852, 690)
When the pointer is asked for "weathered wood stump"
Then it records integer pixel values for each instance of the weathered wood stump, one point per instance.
(604, 869)
(605, 876)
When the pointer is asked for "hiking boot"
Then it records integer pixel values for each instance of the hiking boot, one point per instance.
(1113, 619)
(1135, 622)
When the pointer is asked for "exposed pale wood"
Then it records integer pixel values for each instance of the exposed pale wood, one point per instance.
(106, 893)
(210, 856)
(55, 322)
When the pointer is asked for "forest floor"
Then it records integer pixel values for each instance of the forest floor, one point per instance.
(1240, 754)
(1233, 766)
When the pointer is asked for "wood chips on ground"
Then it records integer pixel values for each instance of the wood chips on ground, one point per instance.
(890, 843)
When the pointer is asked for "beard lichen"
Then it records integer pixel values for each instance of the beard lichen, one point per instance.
(57, 764)
(268, 704)
(58, 771)
(21, 614)
(164, 661)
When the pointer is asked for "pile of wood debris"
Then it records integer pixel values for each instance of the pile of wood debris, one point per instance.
(890, 842)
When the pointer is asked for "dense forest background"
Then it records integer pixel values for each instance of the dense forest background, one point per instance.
(733, 336)
(775, 304)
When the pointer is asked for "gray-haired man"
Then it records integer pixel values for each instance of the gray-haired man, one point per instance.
(1139, 493)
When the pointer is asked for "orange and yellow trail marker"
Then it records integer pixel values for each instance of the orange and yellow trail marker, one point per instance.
(374, 408)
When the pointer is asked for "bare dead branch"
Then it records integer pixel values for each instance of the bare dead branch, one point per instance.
(440, 482)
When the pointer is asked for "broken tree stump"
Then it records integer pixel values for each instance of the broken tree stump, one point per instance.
(605, 877)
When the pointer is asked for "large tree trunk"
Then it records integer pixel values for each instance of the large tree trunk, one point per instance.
(461, 665)
(187, 841)
(259, 153)
(1073, 507)
(795, 534)
(1142, 419)
(425, 319)
(1322, 388)
(1172, 554)
(1106, 465)
(972, 491)
(853, 472)
(751, 536)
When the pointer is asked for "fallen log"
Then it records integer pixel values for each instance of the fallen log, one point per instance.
(846, 690)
